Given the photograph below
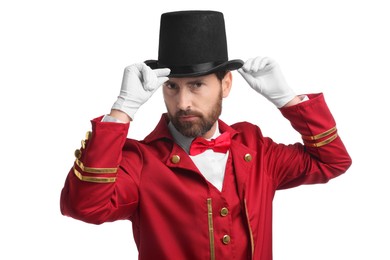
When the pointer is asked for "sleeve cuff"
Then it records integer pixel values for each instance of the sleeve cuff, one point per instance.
(107, 118)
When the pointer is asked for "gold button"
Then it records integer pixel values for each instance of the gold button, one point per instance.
(175, 159)
(248, 157)
(88, 135)
(226, 239)
(77, 153)
(83, 144)
(224, 212)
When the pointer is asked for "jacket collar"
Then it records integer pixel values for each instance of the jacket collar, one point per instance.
(239, 151)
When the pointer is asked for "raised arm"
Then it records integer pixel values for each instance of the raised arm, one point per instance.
(98, 187)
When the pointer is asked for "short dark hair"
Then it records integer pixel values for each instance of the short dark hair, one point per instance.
(221, 74)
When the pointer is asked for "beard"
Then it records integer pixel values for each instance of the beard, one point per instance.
(202, 125)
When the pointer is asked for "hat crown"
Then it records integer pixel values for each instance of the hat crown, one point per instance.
(193, 43)
(192, 37)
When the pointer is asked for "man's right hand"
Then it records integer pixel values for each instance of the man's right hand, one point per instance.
(138, 85)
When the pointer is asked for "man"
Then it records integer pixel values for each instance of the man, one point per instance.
(196, 188)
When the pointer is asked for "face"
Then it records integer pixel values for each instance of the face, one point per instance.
(195, 104)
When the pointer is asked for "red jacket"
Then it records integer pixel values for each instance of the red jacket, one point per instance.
(176, 214)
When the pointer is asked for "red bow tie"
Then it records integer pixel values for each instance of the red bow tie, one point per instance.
(220, 145)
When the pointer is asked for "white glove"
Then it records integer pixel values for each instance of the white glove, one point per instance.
(138, 85)
(265, 77)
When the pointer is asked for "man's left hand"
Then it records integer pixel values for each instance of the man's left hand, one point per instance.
(265, 77)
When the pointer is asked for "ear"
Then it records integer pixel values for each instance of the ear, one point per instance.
(227, 84)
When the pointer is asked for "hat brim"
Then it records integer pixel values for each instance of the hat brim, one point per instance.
(196, 70)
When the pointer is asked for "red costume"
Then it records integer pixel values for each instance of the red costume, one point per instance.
(176, 213)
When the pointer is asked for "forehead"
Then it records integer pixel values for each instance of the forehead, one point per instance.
(189, 80)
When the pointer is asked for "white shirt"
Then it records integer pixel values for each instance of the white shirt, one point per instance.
(211, 165)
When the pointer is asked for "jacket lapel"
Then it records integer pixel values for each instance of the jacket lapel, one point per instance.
(243, 156)
(243, 163)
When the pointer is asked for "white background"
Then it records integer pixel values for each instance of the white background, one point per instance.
(61, 64)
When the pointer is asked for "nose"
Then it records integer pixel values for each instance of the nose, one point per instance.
(184, 99)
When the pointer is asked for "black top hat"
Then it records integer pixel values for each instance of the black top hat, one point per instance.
(193, 43)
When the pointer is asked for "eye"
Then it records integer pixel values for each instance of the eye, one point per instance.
(197, 84)
(170, 85)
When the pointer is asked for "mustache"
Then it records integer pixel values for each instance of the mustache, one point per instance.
(188, 112)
